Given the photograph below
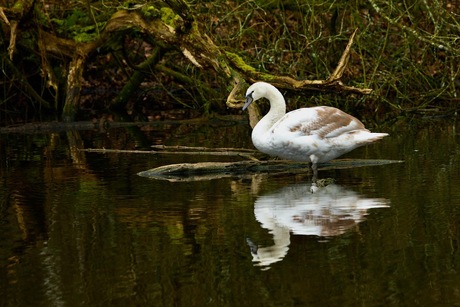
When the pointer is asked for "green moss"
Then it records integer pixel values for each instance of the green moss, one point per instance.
(169, 17)
(267, 77)
(239, 62)
(79, 26)
(248, 69)
(150, 11)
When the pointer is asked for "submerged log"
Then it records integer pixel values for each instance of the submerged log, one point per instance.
(216, 170)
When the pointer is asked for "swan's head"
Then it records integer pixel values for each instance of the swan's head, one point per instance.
(256, 91)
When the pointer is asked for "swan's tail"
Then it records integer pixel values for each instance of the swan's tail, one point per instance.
(369, 137)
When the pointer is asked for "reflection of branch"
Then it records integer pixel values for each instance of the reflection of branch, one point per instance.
(75, 146)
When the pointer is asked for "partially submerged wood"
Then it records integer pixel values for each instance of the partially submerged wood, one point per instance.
(216, 170)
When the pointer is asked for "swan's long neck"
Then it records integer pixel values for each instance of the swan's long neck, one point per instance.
(277, 110)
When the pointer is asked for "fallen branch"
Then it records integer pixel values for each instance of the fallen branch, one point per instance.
(215, 170)
(332, 83)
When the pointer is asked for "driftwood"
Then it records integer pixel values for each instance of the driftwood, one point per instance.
(216, 170)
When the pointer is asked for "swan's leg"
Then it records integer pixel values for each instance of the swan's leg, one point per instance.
(314, 167)
(314, 186)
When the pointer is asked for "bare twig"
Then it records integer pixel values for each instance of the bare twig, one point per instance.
(203, 148)
(338, 72)
(13, 35)
(3, 17)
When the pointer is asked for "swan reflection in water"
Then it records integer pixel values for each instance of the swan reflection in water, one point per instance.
(330, 211)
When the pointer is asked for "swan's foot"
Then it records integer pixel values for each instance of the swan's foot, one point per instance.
(318, 183)
(321, 183)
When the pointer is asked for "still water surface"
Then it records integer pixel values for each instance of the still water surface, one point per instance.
(80, 228)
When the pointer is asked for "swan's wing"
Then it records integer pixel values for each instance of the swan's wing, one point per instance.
(324, 122)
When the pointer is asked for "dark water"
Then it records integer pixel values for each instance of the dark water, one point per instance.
(79, 228)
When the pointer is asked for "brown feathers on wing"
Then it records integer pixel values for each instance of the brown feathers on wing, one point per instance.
(325, 122)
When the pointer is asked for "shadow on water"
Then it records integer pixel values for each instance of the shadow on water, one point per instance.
(82, 228)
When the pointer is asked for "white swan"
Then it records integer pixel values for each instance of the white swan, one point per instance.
(316, 135)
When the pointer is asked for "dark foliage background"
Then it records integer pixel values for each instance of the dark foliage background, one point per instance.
(408, 53)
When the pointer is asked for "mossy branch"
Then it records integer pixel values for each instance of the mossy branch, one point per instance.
(137, 77)
(332, 84)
